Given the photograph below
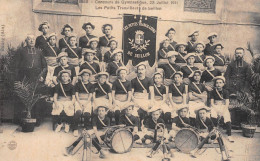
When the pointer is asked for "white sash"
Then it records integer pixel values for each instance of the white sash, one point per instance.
(107, 39)
(116, 64)
(210, 73)
(189, 68)
(219, 94)
(91, 67)
(65, 42)
(182, 57)
(129, 120)
(73, 52)
(122, 85)
(199, 58)
(101, 121)
(177, 89)
(62, 89)
(158, 90)
(87, 39)
(182, 121)
(52, 49)
(144, 89)
(197, 87)
(102, 89)
(220, 59)
(164, 52)
(84, 87)
(172, 47)
(204, 124)
(174, 71)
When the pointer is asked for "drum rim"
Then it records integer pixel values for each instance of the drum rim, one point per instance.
(114, 132)
(196, 133)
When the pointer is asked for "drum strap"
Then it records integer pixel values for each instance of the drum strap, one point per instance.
(177, 89)
(203, 123)
(141, 83)
(122, 86)
(171, 46)
(158, 90)
(182, 121)
(102, 122)
(220, 96)
(195, 85)
(91, 67)
(62, 89)
(210, 73)
(102, 89)
(220, 58)
(129, 120)
(52, 49)
(84, 87)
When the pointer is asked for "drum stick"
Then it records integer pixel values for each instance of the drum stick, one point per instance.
(223, 149)
(84, 156)
(70, 148)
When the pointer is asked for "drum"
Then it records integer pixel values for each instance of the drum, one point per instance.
(119, 139)
(186, 140)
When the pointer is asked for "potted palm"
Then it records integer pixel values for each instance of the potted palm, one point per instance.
(26, 90)
(249, 128)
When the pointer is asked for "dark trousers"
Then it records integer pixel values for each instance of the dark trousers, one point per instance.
(77, 117)
(114, 117)
(62, 118)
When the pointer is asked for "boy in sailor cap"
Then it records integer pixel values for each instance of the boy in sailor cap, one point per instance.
(193, 40)
(170, 34)
(84, 41)
(197, 94)
(181, 49)
(210, 47)
(199, 58)
(64, 100)
(90, 64)
(189, 68)
(99, 123)
(121, 91)
(130, 120)
(41, 41)
(180, 121)
(162, 53)
(62, 59)
(93, 43)
(50, 52)
(220, 60)
(203, 122)
(64, 42)
(115, 64)
(83, 106)
(219, 104)
(107, 56)
(170, 67)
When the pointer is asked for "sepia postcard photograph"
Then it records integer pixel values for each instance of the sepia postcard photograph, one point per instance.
(130, 80)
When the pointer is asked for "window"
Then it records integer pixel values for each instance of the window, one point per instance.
(62, 1)
(203, 6)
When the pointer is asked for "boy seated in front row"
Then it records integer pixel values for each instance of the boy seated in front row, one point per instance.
(180, 121)
(150, 126)
(99, 122)
(203, 123)
(219, 98)
(129, 119)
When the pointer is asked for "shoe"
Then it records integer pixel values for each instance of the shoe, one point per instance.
(67, 128)
(230, 139)
(139, 141)
(58, 128)
(76, 133)
(148, 141)
(102, 154)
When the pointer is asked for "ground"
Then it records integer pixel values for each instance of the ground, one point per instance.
(45, 145)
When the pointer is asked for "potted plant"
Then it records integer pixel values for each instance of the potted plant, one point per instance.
(249, 128)
(26, 90)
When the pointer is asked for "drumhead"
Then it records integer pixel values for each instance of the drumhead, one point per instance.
(122, 141)
(186, 140)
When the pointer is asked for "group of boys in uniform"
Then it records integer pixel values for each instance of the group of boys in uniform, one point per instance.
(89, 81)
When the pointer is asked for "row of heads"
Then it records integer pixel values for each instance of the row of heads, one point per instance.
(85, 26)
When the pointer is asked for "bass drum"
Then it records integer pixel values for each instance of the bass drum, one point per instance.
(119, 139)
(186, 140)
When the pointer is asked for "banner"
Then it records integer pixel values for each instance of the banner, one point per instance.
(139, 38)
